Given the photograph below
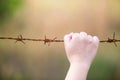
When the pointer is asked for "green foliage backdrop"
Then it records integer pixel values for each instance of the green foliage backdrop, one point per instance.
(8, 8)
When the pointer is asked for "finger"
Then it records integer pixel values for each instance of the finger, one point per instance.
(83, 35)
(96, 39)
(75, 36)
(90, 38)
(67, 38)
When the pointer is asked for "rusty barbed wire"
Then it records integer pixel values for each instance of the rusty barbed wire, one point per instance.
(48, 41)
(21, 39)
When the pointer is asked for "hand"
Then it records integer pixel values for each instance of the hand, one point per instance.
(80, 47)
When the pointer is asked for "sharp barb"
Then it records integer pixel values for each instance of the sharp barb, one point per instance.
(114, 35)
(16, 41)
(115, 44)
(54, 38)
(45, 40)
(21, 36)
(23, 42)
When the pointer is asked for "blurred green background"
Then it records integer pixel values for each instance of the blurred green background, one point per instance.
(55, 18)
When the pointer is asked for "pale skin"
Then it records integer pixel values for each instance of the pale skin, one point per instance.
(81, 50)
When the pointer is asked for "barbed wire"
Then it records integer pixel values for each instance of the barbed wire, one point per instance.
(46, 40)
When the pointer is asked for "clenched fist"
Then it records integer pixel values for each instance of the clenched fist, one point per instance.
(81, 49)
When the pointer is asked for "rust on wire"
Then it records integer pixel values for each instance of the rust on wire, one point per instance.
(20, 38)
(48, 41)
(111, 40)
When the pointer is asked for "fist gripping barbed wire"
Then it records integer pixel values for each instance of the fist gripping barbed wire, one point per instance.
(80, 47)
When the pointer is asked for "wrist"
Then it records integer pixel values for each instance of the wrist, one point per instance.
(81, 64)
(84, 67)
(78, 71)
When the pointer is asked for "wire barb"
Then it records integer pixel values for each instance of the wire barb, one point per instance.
(48, 41)
(20, 38)
(111, 40)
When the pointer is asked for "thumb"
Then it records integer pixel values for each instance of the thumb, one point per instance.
(67, 38)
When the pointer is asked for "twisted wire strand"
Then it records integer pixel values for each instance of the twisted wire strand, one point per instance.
(47, 40)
